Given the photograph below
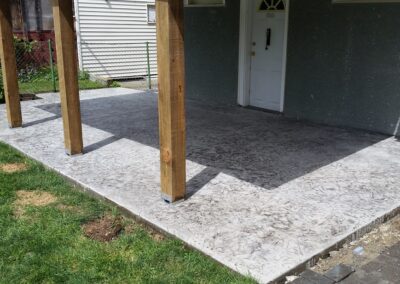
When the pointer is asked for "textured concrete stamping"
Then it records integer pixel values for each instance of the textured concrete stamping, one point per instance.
(266, 194)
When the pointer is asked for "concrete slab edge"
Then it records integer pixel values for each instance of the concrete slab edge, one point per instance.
(279, 280)
(339, 244)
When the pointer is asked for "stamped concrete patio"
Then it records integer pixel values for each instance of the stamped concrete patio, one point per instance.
(266, 194)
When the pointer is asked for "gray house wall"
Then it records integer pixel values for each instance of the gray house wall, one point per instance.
(211, 52)
(343, 64)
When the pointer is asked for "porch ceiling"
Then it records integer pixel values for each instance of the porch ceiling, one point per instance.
(265, 194)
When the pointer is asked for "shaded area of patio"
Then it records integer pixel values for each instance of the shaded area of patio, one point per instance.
(266, 194)
(260, 148)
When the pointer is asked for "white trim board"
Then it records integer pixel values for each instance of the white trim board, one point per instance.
(245, 30)
(78, 34)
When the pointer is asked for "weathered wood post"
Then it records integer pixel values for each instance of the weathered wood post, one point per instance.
(171, 98)
(9, 66)
(68, 75)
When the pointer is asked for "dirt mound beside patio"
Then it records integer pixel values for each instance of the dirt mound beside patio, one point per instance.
(104, 229)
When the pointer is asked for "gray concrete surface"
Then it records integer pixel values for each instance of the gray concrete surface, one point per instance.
(266, 194)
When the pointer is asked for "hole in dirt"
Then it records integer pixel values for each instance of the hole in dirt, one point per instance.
(13, 167)
(104, 229)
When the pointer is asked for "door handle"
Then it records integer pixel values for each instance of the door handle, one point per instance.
(268, 36)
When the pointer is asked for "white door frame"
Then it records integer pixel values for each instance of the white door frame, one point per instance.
(245, 30)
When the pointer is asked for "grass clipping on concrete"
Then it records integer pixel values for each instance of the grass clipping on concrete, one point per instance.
(50, 232)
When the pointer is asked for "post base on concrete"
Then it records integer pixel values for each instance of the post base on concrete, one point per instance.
(17, 125)
(168, 199)
(69, 153)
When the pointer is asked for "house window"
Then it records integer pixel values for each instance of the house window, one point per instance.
(151, 14)
(272, 5)
(204, 3)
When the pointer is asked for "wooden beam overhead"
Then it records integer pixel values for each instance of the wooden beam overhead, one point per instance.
(9, 66)
(171, 98)
(68, 75)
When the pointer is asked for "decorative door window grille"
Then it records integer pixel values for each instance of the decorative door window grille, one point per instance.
(272, 5)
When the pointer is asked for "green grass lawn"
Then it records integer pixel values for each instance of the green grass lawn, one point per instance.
(40, 81)
(42, 85)
(46, 86)
(45, 243)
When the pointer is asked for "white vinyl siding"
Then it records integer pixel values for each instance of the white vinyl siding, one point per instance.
(112, 36)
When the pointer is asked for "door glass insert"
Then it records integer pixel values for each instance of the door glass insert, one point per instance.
(272, 5)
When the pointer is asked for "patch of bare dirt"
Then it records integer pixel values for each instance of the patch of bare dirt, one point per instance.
(13, 168)
(156, 236)
(31, 198)
(362, 251)
(104, 229)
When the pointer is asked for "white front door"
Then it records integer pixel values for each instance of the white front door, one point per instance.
(267, 57)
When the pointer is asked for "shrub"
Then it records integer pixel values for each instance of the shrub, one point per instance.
(27, 64)
(26, 69)
(23, 46)
(84, 75)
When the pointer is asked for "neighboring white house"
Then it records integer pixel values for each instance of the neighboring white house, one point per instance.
(112, 37)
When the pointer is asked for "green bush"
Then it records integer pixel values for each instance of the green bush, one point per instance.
(23, 46)
(27, 66)
(83, 75)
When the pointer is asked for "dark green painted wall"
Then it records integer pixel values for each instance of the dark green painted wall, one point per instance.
(343, 64)
(211, 47)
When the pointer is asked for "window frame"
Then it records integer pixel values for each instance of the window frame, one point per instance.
(191, 5)
(147, 14)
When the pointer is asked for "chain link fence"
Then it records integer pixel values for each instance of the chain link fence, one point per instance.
(36, 67)
(104, 65)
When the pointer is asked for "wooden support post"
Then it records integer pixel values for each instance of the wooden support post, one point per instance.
(171, 98)
(9, 66)
(68, 75)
